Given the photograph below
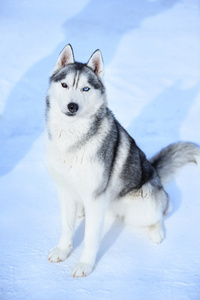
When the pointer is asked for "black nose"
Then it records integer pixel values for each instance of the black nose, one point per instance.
(72, 107)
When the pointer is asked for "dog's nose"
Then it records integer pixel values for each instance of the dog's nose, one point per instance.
(72, 107)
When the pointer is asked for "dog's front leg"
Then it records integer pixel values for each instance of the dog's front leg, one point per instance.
(94, 217)
(68, 209)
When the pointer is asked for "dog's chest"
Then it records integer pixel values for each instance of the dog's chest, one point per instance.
(78, 170)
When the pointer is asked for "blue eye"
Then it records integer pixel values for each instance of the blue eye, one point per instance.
(86, 89)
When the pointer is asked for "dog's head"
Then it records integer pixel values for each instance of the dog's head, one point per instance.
(77, 88)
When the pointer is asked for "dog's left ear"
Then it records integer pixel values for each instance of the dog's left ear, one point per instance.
(66, 57)
(96, 63)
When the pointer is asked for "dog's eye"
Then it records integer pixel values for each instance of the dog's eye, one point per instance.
(64, 85)
(86, 89)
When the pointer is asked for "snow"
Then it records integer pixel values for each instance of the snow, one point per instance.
(152, 70)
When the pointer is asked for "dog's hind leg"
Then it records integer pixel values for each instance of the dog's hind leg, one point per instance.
(146, 209)
(156, 230)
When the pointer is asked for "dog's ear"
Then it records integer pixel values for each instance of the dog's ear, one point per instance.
(66, 57)
(96, 63)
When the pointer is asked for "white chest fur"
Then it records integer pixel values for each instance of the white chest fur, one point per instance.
(78, 170)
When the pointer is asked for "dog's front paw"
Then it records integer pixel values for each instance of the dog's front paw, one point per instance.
(81, 212)
(57, 254)
(82, 270)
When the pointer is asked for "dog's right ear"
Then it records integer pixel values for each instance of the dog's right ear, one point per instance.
(65, 58)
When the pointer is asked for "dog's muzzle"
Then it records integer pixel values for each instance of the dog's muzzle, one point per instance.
(72, 109)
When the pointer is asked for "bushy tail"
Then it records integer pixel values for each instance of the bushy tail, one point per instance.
(170, 159)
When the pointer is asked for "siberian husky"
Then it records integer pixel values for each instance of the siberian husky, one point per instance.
(96, 163)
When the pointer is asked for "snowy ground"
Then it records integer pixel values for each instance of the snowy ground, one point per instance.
(151, 52)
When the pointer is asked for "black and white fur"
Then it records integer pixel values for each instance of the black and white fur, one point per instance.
(96, 163)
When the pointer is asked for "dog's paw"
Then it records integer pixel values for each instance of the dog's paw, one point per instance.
(156, 235)
(58, 254)
(82, 270)
(80, 212)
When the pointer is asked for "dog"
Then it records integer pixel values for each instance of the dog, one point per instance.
(97, 164)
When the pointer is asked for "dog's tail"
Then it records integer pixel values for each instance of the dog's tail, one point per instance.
(170, 159)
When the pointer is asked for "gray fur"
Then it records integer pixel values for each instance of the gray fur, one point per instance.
(47, 106)
(96, 121)
(95, 82)
(71, 68)
(138, 167)
(136, 170)
(108, 152)
(170, 159)
(46, 114)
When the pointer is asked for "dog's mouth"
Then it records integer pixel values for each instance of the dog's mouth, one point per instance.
(69, 114)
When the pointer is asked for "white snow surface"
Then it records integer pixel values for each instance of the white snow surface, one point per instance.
(152, 74)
